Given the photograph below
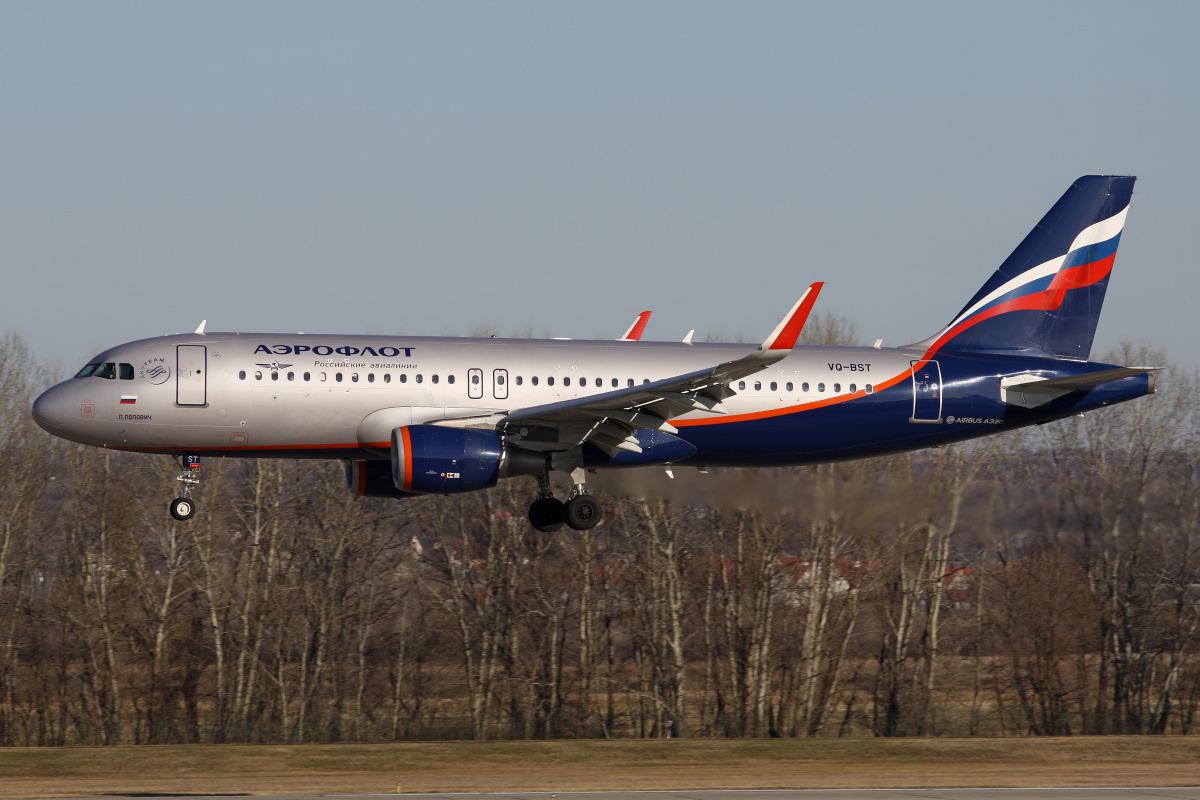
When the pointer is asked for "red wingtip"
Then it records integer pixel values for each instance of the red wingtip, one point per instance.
(786, 339)
(635, 331)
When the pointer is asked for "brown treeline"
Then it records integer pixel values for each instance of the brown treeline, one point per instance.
(1042, 582)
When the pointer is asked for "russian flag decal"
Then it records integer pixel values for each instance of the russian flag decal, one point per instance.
(128, 399)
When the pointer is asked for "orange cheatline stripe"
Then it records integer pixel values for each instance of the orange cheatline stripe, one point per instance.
(778, 412)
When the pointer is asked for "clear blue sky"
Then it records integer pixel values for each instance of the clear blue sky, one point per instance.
(439, 168)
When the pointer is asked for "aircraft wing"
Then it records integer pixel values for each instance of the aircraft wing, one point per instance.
(610, 420)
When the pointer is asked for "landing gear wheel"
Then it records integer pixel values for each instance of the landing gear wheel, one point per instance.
(583, 512)
(547, 514)
(182, 508)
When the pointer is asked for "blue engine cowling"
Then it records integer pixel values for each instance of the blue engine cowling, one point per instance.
(428, 459)
(372, 479)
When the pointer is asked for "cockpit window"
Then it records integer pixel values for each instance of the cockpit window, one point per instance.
(107, 370)
(126, 372)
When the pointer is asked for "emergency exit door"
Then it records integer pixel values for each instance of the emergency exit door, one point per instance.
(191, 374)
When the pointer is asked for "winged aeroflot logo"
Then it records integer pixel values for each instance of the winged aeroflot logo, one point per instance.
(274, 366)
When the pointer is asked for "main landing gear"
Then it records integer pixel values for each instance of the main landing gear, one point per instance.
(184, 507)
(581, 511)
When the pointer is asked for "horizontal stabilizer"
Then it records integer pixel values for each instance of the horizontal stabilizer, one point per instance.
(1030, 391)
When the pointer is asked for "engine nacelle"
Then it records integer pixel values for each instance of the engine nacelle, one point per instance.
(430, 459)
(372, 479)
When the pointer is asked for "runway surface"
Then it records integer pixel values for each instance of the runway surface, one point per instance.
(1128, 793)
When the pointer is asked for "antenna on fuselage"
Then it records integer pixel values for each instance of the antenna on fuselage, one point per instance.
(200, 330)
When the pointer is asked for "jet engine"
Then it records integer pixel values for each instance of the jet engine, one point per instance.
(431, 459)
(372, 479)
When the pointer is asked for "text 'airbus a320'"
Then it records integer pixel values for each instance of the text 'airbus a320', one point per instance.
(423, 415)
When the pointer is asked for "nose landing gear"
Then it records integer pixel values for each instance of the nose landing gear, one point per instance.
(183, 508)
(581, 511)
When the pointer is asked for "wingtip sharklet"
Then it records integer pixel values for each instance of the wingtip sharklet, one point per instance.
(788, 331)
(634, 334)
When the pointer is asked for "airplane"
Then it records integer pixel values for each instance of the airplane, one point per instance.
(412, 416)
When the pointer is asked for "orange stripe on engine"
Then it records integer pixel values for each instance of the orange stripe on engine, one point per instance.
(407, 441)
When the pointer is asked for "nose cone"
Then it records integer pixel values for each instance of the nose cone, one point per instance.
(48, 411)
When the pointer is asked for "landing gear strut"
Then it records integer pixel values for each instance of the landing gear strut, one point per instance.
(581, 511)
(184, 507)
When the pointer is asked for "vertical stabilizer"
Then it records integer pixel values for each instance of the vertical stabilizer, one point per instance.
(1046, 297)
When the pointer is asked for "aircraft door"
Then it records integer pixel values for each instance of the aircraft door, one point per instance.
(927, 391)
(190, 374)
(500, 384)
(475, 383)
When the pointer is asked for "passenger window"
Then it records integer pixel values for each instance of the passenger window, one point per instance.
(127, 372)
(629, 383)
(868, 388)
(758, 386)
(853, 388)
(837, 387)
(420, 378)
(599, 382)
(820, 387)
(291, 376)
(615, 383)
(520, 380)
(387, 377)
(499, 380)
(449, 379)
(274, 375)
(774, 386)
(370, 377)
(434, 378)
(742, 385)
(404, 377)
(550, 381)
(242, 375)
(534, 380)
(337, 376)
(789, 386)
(354, 377)
(474, 380)
(566, 381)
(323, 377)
(258, 374)
(307, 376)
(804, 387)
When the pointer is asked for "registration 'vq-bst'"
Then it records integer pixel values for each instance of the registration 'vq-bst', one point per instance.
(422, 415)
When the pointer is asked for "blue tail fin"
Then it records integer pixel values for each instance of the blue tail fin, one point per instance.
(1045, 299)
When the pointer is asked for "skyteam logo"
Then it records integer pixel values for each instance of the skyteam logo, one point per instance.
(155, 371)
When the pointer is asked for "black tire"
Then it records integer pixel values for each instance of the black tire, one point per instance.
(182, 508)
(547, 514)
(583, 512)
